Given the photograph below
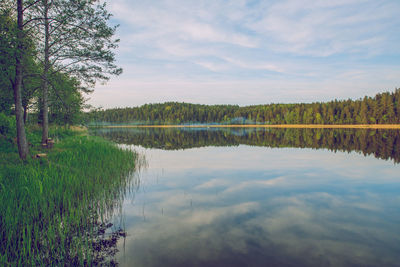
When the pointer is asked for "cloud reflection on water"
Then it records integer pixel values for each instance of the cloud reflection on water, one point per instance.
(251, 206)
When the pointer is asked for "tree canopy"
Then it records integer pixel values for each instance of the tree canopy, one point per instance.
(52, 51)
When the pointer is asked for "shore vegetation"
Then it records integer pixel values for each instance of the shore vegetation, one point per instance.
(53, 206)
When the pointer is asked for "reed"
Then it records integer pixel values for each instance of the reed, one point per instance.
(50, 208)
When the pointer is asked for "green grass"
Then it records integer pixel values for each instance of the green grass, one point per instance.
(49, 206)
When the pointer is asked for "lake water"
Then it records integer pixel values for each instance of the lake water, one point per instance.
(259, 197)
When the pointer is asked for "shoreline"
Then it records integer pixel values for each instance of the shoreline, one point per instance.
(301, 126)
(67, 185)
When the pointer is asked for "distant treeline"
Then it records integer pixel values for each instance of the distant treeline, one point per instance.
(383, 144)
(384, 108)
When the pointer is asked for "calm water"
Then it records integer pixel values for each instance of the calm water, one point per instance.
(247, 197)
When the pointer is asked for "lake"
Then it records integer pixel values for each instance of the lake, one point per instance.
(261, 197)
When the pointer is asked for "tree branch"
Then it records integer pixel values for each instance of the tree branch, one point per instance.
(12, 82)
(30, 5)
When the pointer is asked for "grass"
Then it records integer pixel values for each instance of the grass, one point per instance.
(50, 207)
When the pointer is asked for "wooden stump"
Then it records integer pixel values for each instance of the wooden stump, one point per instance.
(48, 144)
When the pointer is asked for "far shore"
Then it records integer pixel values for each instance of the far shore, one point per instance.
(344, 126)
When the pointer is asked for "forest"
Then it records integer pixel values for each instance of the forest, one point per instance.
(384, 108)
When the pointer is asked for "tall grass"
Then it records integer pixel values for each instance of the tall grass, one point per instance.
(50, 207)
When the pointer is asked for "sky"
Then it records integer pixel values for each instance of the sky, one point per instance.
(250, 52)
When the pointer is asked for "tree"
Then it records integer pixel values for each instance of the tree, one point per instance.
(73, 38)
(66, 100)
(30, 68)
(364, 111)
(17, 67)
(23, 148)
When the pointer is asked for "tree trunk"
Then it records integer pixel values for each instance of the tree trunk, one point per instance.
(23, 148)
(25, 113)
(45, 120)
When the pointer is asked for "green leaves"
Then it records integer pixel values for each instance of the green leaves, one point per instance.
(80, 39)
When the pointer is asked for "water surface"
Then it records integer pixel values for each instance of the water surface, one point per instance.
(256, 197)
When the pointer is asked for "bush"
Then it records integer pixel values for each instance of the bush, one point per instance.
(7, 126)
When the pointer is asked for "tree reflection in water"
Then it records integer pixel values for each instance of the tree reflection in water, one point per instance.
(383, 144)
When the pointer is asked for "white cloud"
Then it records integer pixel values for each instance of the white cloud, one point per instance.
(253, 52)
(324, 28)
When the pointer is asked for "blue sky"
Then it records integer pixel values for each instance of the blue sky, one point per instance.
(252, 52)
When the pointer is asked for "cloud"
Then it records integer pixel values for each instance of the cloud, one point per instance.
(181, 21)
(253, 52)
(318, 28)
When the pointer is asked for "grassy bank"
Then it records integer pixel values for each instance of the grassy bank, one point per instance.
(51, 207)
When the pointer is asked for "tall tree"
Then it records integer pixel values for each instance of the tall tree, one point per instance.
(74, 38)
(30, 68)
(23, 148)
